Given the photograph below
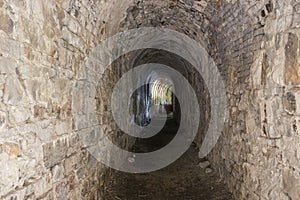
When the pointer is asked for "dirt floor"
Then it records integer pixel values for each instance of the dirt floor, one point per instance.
(182, 180)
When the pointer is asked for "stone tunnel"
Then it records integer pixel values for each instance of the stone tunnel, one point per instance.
(54, 90)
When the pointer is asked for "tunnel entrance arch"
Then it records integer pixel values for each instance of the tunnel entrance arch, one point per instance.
(171, 41)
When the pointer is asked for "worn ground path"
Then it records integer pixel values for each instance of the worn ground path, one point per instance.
(182, 180)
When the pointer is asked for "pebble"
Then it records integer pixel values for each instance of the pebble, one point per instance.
(204, 164)
(208, 170)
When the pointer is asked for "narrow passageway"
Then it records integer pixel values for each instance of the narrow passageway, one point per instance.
(83, 83)
(183, 179)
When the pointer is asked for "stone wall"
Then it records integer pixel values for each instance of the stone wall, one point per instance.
(258, 150)
(256, 47)
(44, 43)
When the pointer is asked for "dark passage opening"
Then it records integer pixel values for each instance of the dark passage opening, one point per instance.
(150, 104)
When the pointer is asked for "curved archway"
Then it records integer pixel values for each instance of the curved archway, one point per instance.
(43, 51)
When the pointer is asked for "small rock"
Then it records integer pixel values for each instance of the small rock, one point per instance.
(6, 24)
(12, 149)
(204, 164)
(131, 160)
(208, 170)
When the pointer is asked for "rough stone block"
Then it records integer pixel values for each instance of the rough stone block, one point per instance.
(61, 190)
(43, 185)
(12, 149)
(7, 66)
(291, 184)
(54, 152)
(292, 74)
(289, 102)
(13, 92)
(6, 24)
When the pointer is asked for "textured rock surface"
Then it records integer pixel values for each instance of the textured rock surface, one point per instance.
(255, 44)
(43, 44)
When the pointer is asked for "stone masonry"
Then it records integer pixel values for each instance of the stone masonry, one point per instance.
(43, 45)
